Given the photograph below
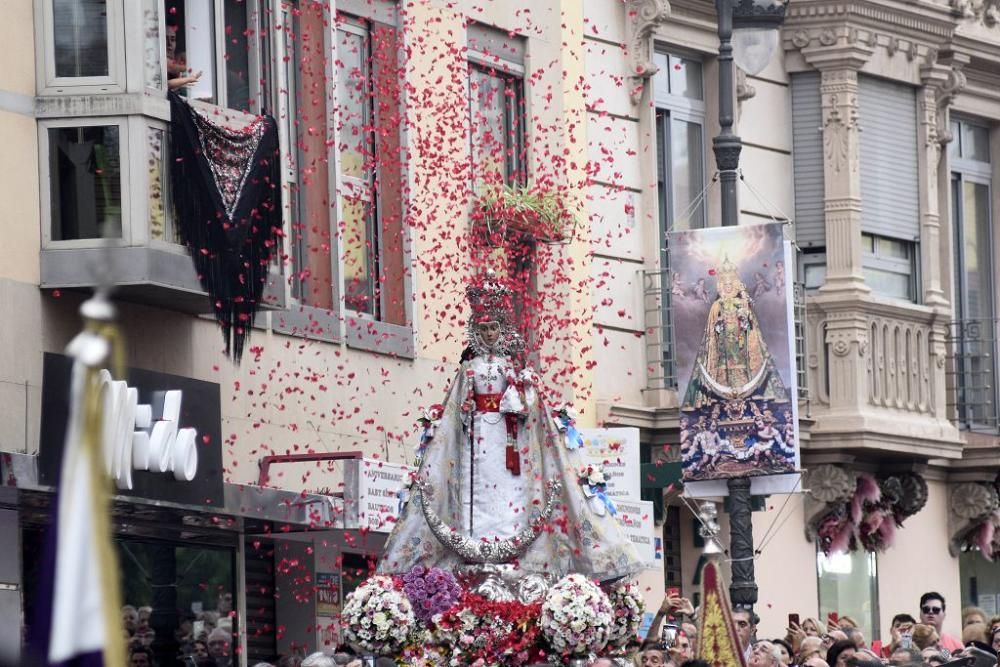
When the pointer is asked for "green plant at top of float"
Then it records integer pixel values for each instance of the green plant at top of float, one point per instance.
(539, 211)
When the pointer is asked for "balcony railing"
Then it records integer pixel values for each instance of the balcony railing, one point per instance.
(972, 374)
(660, 371)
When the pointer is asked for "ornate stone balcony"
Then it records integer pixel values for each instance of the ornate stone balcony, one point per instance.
(878, 379)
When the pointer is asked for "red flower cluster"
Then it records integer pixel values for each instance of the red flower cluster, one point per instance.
(485, 632)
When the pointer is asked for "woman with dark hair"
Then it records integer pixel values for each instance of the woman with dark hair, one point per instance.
(841, 651)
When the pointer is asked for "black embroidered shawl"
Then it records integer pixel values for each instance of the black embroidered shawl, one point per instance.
(227, 195)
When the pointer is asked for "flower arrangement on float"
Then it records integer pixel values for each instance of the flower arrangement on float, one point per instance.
(378, 617)
(487, 633)
(565, 418)
(424, 617)
(628, 606)
(576, 618)
(431, 591)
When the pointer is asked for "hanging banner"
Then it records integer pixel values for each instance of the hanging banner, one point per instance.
(617, 450)
(731, 307)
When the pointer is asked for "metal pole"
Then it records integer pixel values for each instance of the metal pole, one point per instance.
(743, 588)
(727, 147)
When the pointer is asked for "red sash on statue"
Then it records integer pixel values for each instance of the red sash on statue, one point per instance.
(491, 403)
(488, 402)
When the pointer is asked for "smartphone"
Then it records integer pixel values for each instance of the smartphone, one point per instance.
(668, 635)
(673, 592)
(906, 640)
(793, 620)
(832, 617)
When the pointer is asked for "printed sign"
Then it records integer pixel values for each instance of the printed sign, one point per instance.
(327, 593)
(617, 449)
(731, 304)
(371, 493)
(636, 519)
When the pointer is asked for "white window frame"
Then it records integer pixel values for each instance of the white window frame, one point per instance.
(338, 319)
(352, 187)
(143, 233)
(979, 172)
(45, 180)
(688, 110)
(45, 55)
(477, 59)
(685, 109)
(219, 80)
(909, 267)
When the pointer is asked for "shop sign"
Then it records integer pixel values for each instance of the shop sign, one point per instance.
(617, 449)
(134, 440)
(372, 497)
(636, 519)
(162, 433)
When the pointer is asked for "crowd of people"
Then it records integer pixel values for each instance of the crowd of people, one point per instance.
(916, 640)
(204, 639)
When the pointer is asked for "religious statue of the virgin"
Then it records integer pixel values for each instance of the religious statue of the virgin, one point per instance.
(499, 481)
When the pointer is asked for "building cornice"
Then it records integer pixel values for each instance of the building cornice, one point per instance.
(925, 21)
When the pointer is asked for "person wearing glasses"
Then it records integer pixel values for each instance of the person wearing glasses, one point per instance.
(932, 612)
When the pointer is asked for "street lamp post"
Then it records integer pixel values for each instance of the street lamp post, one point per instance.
(748, 34)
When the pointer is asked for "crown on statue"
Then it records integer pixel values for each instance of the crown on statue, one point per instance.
(490, 299)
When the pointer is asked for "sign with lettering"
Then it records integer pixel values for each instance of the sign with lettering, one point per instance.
(636, 519)
(327, 593)
(132, 439)
(162, 433)
(371, 493)
(617, 449)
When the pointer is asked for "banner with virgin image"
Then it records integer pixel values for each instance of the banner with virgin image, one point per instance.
(731, 305)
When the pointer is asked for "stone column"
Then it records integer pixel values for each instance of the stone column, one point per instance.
(929, 139)
(942, 79)
(838, 62)
(838, 58)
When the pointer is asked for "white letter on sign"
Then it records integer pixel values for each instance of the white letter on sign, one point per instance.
(133, 441)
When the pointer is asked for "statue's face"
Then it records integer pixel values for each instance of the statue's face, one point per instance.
(727, 288)
(489, 332)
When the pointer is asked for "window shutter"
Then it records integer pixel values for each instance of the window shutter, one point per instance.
(889, 186)
(807, 156)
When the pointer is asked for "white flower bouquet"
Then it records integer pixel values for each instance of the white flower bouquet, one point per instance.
(577, 618)
(377, 617)
(628, 608)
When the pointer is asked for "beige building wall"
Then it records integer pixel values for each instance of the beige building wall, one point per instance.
(912, 45)
(293, 394)
(919, 562)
